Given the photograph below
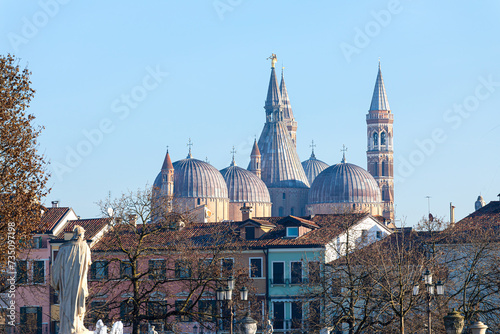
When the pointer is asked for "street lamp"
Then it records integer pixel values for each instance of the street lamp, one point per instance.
(429, 287)
(227, 294)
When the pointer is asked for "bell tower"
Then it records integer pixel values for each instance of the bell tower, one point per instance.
(379, 121)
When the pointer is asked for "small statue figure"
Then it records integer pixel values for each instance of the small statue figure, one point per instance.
(117, 328)
(152, 330)
(100, 328)
(269, 328)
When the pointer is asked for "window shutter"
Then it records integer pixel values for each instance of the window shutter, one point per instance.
(39, 320)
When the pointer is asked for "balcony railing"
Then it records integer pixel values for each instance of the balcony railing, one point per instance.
(379, 116)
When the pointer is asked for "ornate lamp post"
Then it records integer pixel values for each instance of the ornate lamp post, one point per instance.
(454, 322)
(227, 295)
(429, 287)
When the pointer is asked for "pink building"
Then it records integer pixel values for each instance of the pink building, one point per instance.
(36, 305)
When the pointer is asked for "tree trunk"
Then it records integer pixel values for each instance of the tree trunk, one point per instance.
(402, 324)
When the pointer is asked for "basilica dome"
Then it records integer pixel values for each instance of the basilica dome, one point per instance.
(312, 168)
(344, 183)
(244, 186)
(196, 179)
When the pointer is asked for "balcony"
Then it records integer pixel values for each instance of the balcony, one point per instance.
(379, 116)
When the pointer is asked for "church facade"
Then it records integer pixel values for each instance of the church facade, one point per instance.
(276, 183)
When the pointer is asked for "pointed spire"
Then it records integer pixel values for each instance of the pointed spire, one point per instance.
(233, 152)
(312, 146)
(379, 99)
(189, 144)
(167, 163)
(273, 93)
(255, 149)
(285, 101)
(343, 150)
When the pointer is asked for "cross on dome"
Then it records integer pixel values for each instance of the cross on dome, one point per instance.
(190, 144)
(343, 150)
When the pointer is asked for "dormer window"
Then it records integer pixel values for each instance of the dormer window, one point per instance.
(249, 233)
(292, 232)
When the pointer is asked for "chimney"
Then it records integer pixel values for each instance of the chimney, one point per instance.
(246, 212)
(133, 220)
(452, 214)
(55, 204)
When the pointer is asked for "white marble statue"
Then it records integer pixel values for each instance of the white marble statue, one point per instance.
(117, 328)
(152, 330)
(69, 277)
(100, 328)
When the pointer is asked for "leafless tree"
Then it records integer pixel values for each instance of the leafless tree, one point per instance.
(156, 265)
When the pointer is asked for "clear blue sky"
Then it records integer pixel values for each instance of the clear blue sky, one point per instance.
(92, 63)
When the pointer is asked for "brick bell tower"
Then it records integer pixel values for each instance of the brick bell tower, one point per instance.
(379, 154)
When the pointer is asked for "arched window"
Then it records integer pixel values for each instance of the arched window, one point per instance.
(292, 211)
(382, 138)
(384, 168)
(375, 139)
(199, 201)
(281, 211)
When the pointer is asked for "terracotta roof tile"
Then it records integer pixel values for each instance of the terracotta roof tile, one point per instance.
(50, 218)
(92, 226)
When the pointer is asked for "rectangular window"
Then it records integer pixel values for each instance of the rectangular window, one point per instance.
(22, 272)
(125, 269)
(336, 286)
(39, 272)
(182, 269)
(99, 270)
(379, 234)
(249, 233)
(256, 267)
(207, 309)
(296, 272)
(284, 195)
(314, 272)
(279, 315)
(292, 232)
(156, 309)
(314, 316)
(98, 310)
(37, 242)
(126, 309)
(31, 319)
(364, 236)
(278, 273)
(157, 269)
(227, 267)
(181, 305)
(296, 315)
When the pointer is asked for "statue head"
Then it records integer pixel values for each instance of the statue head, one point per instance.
(78, 233)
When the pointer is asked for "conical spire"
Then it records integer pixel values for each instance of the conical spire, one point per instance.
(285, 101)
(167, 163)
(379, 99)
(274, 109)
(273, 94)
(255, 149)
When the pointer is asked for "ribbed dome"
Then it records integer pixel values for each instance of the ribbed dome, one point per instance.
(196, 178)
(312, 168)
(245, 186)
(344, 183)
